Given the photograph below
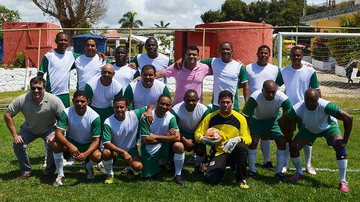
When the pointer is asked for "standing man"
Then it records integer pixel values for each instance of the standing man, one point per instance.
(41, 110)
(147, 90)
(152, 57)
(102, 90)
(189, 76)
(298, 77)
(262, 112)
(258, 72)
(228, 75)
(57, 65)
(236, 138)
(124, 74)
(83, 128)
(155, 138)
(189, 114)
(314, 115)
(88, 65)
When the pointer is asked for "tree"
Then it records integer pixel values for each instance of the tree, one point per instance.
(212, 16)
(128, 20)
(73, 14)
(234, 10)
(162, 24)
(7, 15)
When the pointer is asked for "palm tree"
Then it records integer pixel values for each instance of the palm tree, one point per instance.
(128, 20)
(162, 24)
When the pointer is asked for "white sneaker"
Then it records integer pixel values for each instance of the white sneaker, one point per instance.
(59, 181)
(311, 170)
(285, 169)
(89, 171)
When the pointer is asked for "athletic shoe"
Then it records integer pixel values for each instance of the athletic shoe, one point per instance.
(109, 179)
(89, 171)
(24, 176)
(179, 180)
(285, 169)
(59, 181)
(243, 185)
(297, 176)
(311, 170)
(344, 187)
(252, 175)
(279, 176)
(268, 165)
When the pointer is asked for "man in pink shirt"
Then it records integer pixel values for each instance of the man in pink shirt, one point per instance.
(189, 76)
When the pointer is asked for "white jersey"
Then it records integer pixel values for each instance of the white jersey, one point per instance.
(87, 68)
(226, 77)
(297, 81)
(258, 74)
(189, 121)
(314, 121)
(160, 63)
(81, 129)
(124, 75)
(123, 134)
(102, 96)
(267, 109)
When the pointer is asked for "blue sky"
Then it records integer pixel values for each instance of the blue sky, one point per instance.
(180, 13)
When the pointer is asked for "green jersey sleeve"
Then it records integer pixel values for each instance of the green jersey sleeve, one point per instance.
(96, 127)
(243, 77)
(106, 137)
(292, 114)
(279, 79)
(173, 124)
(170, 62)
(89, 92)
(144, 127)
(63, 122)
(139, 112)
(249, 107)
(134, 60)
(314, 83)
(207, 61)
(208, 111)
(128, 94)
(44, 65)
(166, 91)
(137, 74)
(331, 109)
(286, 105)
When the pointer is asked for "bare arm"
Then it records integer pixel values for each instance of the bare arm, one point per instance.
(112, 147)
(171, 136)
(160, 74)
(11, 126)
(347, 121)
(246, 91)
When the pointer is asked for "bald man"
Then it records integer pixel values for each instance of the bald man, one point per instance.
(262, 112)
(316, 118)
(102, 90)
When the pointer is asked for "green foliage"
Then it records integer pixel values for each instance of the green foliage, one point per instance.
(7, 15)
(320, 50)
(128, 20)
(19, 61)
(212, 16)
(162, 24)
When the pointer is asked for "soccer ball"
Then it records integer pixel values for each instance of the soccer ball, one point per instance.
(213, 134)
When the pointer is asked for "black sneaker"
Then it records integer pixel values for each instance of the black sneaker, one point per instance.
(268, 165)
(179, 180)
(280, 176)
(252, 175)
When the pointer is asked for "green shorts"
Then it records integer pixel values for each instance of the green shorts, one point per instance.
(269, 126)
(151, 162)
(80, 147)
(104, 113)
(133, 152)
(190, 136)
(65, 99)
(311, 137)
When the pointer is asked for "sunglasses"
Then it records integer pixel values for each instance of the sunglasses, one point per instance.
(36, 88)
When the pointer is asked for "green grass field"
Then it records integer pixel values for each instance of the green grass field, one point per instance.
(322, 187)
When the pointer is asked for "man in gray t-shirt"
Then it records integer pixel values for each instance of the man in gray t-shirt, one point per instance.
(40, 110)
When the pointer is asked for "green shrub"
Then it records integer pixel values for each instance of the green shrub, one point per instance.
(19, 60)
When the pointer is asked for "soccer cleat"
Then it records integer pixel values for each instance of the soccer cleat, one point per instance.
(280, 176)
(284, 169)
(311, 170)
(179, 180)
(297, 176)
(344, 187)
(24, 176)
(89, 171)
(268, 165)
(252, 175)
(109, 179)
(243, 185)
(59, 181)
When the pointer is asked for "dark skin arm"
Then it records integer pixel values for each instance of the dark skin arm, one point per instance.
(171, 136)
(112, 147)
(11, 126)
(93, 146)
(246, 91)
(348, 122)
(60, 137)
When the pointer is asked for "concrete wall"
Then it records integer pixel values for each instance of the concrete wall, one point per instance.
(15, 79)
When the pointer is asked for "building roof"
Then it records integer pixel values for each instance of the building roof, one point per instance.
(112, 34)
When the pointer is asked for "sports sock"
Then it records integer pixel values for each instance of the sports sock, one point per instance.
(297, 163)
(59, 163)
(199, 160)
(342, 165)
(179, 163)
(280, 158)
(252, 160)
(90, 164)
(308, 154)
(108, 165)
(287, 155)
(265, 149)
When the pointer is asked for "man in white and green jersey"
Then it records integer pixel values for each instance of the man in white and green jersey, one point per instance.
(57, 65)
(189, 114)
(257, 73)
(147, 90)
(228, 75)
(83, 128)
(298, 77)
(119, 137)
(88, 65)
(124, 74)
(102, 90)
(315, 119)
(262, 112)
(152, 57)
(157, 136)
